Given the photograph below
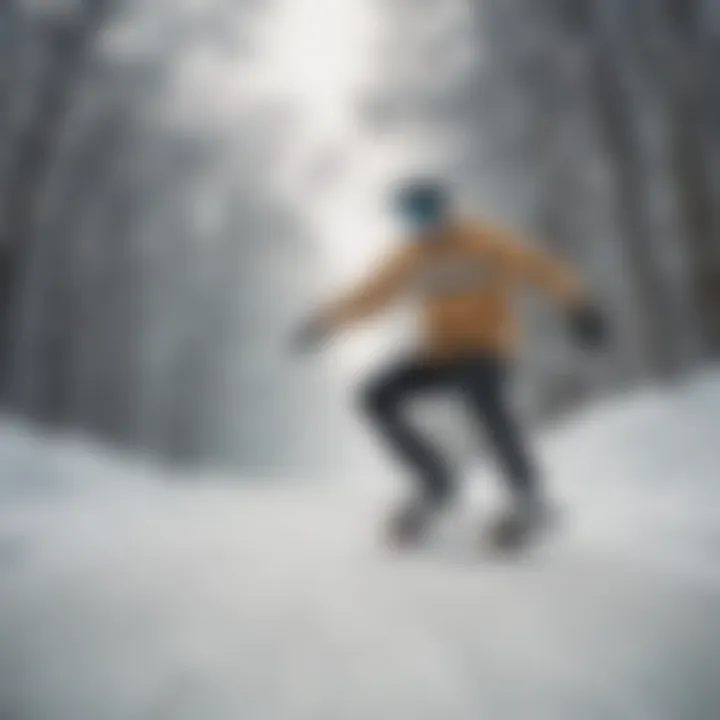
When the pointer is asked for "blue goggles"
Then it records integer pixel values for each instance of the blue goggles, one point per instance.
(420, 216)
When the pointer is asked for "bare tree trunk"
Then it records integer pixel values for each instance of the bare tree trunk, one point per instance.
(617, 133)
(66, 303)
(691, 152)
(697, 210)
(68, 43)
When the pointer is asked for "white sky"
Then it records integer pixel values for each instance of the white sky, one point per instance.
(321, 56)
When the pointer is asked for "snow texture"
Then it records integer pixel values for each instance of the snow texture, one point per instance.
(127, 593)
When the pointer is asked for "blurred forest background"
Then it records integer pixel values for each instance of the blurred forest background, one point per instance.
(154, 254)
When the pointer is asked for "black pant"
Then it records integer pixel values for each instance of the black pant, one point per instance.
(480, 380)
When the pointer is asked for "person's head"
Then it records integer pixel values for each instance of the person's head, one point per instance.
(422, 206)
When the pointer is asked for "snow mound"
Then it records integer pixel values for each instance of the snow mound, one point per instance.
(127, 593)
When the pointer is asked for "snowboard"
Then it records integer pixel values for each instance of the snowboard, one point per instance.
(488, 537)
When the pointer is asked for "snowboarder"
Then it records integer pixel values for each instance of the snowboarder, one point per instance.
(465, 275)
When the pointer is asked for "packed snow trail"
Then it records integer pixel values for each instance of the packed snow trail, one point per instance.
(126, 595)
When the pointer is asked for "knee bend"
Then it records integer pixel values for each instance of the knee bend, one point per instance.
(376, 401)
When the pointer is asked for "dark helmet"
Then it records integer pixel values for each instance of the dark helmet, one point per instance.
(422, 203)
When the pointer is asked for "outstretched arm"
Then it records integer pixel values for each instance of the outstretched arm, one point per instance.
(535, 267)
(370, 296)
(373, 294)
(532, 266)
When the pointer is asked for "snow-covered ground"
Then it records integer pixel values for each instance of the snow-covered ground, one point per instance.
(126, 594)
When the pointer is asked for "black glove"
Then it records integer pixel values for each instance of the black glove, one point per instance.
(588, 327)
(310, 336)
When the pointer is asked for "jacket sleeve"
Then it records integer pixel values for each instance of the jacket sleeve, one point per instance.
(374, 293)
(532, 266)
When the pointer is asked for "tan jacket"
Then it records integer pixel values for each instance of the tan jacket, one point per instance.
(466, 280)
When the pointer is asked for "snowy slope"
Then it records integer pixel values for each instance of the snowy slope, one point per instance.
(128, 595)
